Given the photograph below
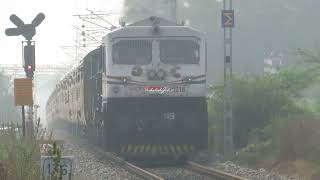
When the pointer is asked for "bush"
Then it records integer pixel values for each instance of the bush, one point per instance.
(19, 156)
(298, 138)
(287, 139)
(256, 100)
(274, 114)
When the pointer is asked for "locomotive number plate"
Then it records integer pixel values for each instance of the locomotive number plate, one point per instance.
(169, 116)
(177, 89)
(164, 89)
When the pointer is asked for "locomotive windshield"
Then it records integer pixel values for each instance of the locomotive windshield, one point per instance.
(132, 52)
(179, 52)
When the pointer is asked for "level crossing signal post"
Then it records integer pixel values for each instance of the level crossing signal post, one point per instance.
(28, 49)
(28, 52)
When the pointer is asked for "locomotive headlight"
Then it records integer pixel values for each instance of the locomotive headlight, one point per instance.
(161, 74)
(152, 74)
(125, 80)
(137, 71)
(187, 79)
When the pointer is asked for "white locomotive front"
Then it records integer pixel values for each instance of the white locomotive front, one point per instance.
(155, 57)
(142, 93)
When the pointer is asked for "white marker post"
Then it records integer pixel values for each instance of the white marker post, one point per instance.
(65, 167)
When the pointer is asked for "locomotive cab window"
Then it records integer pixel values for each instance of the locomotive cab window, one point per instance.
(179, 52)
(132, 52)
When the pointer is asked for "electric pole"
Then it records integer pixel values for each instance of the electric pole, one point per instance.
(227, 25)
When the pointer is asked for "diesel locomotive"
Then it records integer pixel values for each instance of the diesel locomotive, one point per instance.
(141, 93)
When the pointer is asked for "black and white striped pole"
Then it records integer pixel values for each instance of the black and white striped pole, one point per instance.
(227, 19)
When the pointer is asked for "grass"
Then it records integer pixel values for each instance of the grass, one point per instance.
(20, 156)
(295, 148)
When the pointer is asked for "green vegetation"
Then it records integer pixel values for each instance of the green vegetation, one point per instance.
(55, 152)
(19, 157)
(275, 115)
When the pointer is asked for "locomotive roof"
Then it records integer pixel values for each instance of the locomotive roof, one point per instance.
(152, 20)
(142, 28)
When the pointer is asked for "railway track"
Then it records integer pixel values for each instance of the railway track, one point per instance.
(212, 172)
(133, 168)
(190, 171)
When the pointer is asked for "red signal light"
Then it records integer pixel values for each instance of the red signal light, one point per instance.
(29, 67)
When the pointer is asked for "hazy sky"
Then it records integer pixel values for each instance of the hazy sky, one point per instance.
(55, 31)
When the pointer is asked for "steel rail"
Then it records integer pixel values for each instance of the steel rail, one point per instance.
(212, 172)
(134, 169)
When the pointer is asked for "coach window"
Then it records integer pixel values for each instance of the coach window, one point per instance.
(102, 58)
(132, 52)
(91, 69)
(77, 93)
(94, 62)
(97, 62)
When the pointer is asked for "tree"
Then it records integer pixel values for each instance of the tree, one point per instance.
(309, 68)
(256, 101)
(4, 84)
(8, 112)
